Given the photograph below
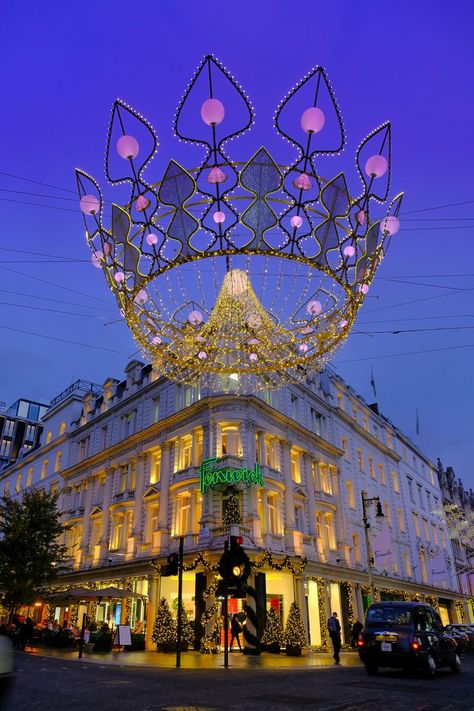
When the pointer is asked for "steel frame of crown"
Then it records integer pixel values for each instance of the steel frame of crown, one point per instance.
(319, 225)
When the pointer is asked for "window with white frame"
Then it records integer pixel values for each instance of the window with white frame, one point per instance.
(299, 517)
(396, 486)
(406, 563)
(356, 548)
(273, 514)
(345, 447)
(434, 531)
(58, 461)
(386, 512)
(426, 530)
(185, 451)
(383, 479)
(156, 409)
(230, 440)
(296, 465)
(152, 522)
(271, 451)
(350, 494)
(416, 523)
(155, 468)
(325, 478)
(44, 469)
(83, 448)
(316, 421)
(29, 479)
(401, 520)
(128, 423)
(183, 514)
(294, 407)
(117, 531)
(360, 460)
(329, 533)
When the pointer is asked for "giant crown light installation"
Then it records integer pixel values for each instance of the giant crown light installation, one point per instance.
(240, 275)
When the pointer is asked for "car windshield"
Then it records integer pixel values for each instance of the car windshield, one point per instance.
(392, 616)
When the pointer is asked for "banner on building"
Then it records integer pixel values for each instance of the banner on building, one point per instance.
(439, 574)
(383, 549)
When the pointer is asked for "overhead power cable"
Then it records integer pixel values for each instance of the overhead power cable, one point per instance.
(406, 353)
(61, 340)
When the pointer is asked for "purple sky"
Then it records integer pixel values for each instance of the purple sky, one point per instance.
(64, 64)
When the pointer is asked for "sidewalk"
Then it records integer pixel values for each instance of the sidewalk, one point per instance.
(196, 660)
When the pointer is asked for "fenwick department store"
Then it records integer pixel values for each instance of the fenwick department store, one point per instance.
(143, 461)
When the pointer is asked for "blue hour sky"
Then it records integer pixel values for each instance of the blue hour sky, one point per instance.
(63, 64)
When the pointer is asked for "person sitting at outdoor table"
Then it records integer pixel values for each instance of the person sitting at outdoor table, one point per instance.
(103, 639)
(138, 629)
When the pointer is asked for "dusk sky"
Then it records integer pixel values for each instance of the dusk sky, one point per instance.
(63, 65)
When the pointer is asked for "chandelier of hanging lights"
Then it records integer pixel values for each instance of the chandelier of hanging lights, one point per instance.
(240, 275)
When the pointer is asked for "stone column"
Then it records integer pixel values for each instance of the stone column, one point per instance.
(141, 460)
(163, 512)
(308, 478)
(301, 602)
(86, 520)
(289, 501)
(107, 500)
(194, 449)
(261, 448)
(152, 605)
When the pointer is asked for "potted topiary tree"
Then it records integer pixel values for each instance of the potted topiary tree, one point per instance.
(295, 637)
(164, 630)
(272, 638)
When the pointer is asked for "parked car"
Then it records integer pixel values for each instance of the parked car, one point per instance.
(6, 666)
(461, 639)
(406, 635)
(466, 630)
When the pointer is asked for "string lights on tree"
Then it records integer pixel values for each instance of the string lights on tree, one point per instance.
(240, 274)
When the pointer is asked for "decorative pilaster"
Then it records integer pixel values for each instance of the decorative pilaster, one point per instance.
(289, 501)
(308, 476)
(141, 460)
(108, 488)
(163, 513)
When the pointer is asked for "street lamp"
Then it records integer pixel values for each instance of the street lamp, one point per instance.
(366, 502)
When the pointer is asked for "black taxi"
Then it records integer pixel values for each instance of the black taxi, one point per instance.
(406, 635)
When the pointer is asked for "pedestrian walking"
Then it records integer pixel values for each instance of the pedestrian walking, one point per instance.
(334, 628)
(357, 628)
(235, 629)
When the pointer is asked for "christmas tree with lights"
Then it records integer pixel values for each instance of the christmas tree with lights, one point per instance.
(231, 510)
(295, 636)
(272, 638)
(187, 632)
(164, 629)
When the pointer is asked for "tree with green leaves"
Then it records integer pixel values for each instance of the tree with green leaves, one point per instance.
(272, 638)
(295, 637)
(31, 550)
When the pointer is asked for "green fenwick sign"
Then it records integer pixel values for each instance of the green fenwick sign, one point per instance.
(211, 475)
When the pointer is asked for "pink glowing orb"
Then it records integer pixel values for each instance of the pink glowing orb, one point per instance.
(141, 297)
(151, 239)
(361, 217)
(202, 355)
(303, 182)
(141, 203)
(254, 320)
(195, 318)
(390, 225)
(127, 147)
(219, 217)
(344, 324)
(296, 221)
(96, 256)
(253, 357)
(303, 347)
(216, 175)
(89, 204)
(349, 251)
(312, 120)
(364, 288)
(314, 308)
(212, 112)
(119, 277)
(156, 341)
(376, 166)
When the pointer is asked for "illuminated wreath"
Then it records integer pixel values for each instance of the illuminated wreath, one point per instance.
(240, 275)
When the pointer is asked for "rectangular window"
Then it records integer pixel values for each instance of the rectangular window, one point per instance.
(83, 448)
(29, 479)
(371, 467)
(420, 496)
(383, 480)
(273, 514)
(5, 447)
(365, 421)
(299, 518)
(294, 412)
(416, 523)
(183, 504)
(44, 469)
(155, 469)
(8, 428)
(128, 423)
(296, 465)
(345, 447)
(356, 548)
(103, 437)
(155, 409)
(329, 533)
(360, 460)
(316, 421)
(325, 478)
(406, 563)
(426, 530)
(340, 401)
(58, 461)
(123, 474)
(401, 520)
(434, 531)
(117, 532)
(410, 490)
(386, 511)
(350, 495)
(424, 572)
(18, 483)
(395, 483)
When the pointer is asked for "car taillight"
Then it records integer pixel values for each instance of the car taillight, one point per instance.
(360, 641)
(415, 643)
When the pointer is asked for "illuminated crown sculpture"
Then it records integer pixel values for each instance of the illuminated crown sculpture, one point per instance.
(240, 275)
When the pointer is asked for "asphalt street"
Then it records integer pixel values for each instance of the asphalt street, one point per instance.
(52, 684)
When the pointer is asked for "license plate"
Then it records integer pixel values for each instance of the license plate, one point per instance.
(386, 646)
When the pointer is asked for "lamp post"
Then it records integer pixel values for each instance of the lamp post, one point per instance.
(366, 502)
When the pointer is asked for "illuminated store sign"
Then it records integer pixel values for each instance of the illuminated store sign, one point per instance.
(214, 473)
